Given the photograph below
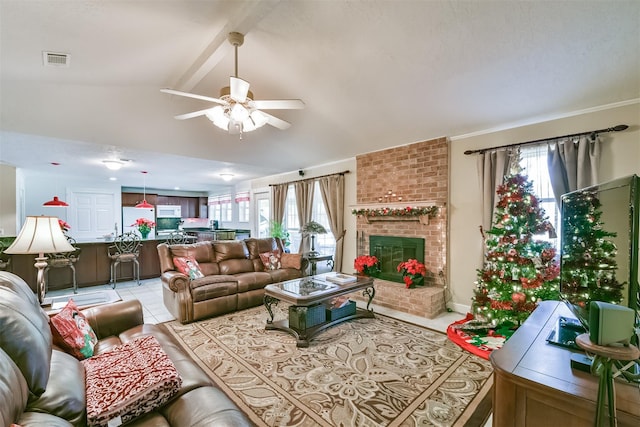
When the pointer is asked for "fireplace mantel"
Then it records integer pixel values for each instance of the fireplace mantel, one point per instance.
(370, 217)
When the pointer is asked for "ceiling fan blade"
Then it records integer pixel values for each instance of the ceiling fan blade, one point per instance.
(276, 122)
(239, 89)
(279, 104)
(192, 115)
(193, 95)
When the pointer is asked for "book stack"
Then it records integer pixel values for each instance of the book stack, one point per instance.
(341, 279)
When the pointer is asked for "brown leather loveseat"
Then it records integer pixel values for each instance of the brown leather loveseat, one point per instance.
(41, 385)
(234, 276)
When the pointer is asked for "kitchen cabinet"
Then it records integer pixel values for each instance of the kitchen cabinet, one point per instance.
(132, 199)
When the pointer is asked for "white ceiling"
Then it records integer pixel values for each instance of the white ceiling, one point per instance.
(373, 74)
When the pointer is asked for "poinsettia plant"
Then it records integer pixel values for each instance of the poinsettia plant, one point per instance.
(64, 226)
(367, 264)
(144, 225)
(413, 272)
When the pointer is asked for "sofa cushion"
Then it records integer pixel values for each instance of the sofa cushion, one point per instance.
(291, 260)
(65, 393)
(271, 260)
(32, 352)
(13, 390)
(250, 281)
(284, 274)
(202, 252)
(213, 286)
(146, 379)
(265, 244)
(72, 333)
(189, 266)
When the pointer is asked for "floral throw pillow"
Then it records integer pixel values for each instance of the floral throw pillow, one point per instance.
(271, 260)
(72, 332)
(189, 266)
(146, 379)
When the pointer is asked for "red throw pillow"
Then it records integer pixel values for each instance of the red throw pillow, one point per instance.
(72, 332)
(291, 260)
(271, 260)
(130, 380)
(189, 266)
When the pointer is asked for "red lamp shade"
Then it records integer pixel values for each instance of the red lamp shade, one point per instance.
(55, 202)
(144, 204)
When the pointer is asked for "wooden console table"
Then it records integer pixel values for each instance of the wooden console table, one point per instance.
(534, 384)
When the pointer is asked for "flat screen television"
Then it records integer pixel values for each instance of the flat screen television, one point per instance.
(599, 247)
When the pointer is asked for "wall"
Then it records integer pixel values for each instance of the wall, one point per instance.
(7, 200)
(620, 157)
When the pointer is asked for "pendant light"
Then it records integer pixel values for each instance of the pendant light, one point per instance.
(144, 204)
(56, 202)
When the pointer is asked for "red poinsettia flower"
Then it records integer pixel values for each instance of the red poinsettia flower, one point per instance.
(413, 272)
(64, 226)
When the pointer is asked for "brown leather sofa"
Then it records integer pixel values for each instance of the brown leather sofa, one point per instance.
(235, 276)
(40, 385)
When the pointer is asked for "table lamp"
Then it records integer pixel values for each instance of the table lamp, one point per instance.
(40, 235)
(313, 228)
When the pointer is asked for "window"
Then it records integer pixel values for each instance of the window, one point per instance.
(221, 208)
(324, 243)
(242, 200)
(533, 161)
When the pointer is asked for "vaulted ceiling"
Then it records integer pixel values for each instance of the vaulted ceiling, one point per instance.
(373, 74)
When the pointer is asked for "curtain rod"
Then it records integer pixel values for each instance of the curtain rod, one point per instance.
(518, 144)
(309, 179)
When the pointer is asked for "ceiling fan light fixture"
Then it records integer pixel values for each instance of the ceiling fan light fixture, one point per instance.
(259, 119)
(247, 125)
(239, 113)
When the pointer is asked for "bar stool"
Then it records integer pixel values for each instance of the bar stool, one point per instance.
(180, 237)
(126, 248)
(62, 260)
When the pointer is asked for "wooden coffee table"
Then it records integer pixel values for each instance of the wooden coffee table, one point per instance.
(309, 292)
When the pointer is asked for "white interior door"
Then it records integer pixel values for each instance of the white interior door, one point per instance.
(92, 214)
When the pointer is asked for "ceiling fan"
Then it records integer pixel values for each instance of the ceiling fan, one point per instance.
(237, 111)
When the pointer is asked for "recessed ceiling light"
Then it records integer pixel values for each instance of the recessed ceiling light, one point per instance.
(176, 188)
(113, 178)
(226, 176)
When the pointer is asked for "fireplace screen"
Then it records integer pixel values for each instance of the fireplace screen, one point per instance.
(392, 250)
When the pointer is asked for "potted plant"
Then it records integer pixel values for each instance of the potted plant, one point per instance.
(413, 272)
(278, 230)
(144, 226)
(367, 265)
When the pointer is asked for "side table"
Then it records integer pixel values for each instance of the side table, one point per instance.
(605, 356)
(315, 258)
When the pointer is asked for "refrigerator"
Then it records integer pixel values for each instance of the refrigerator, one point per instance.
(130, 215)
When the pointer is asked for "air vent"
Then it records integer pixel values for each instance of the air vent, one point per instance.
(53, 59)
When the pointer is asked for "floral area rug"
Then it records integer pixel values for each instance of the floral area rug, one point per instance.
(477, 338)
(364, 372)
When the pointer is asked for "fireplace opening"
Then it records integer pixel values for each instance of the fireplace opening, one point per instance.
(392, 250)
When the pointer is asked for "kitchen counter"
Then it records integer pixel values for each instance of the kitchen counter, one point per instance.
(93, 266)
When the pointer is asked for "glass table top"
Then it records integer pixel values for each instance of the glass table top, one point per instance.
(306, 286)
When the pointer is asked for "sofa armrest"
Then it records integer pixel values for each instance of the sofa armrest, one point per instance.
(177, 282)
(113, 319)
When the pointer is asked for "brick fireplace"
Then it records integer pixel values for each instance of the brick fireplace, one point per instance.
(413, 175)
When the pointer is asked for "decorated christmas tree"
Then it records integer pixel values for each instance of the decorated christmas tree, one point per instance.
(519, 270)
(588, 255)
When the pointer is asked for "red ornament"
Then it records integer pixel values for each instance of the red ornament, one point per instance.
(518, 297)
